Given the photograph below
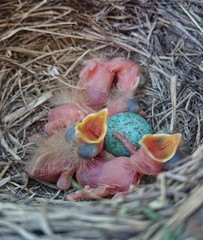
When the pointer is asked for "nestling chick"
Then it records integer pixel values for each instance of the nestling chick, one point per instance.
(61, 154)
(92, 92)
(104, 176)
(98, 76)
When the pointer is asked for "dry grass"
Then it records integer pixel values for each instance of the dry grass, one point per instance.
(43, 45)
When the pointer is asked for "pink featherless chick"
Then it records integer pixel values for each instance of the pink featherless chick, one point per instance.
(70, 108)
(64, 115)
(98, 77)
(95, 81)
(56, 160)
(128, 75)
(94, 91)
(106, 175)
(62, 153)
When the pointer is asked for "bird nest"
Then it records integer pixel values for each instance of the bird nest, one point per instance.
(43, 45)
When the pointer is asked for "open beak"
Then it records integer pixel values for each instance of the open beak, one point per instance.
(92, 129)
(161, 147)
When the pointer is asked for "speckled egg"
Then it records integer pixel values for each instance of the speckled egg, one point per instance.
(130, 125)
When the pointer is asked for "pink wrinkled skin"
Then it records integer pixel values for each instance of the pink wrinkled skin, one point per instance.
(56, 160)
(64, 115)
(97, 77)
(113, 175)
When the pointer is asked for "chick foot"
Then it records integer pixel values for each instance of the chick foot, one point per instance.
(90, 193)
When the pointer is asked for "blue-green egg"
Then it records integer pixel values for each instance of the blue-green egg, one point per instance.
(130, 125)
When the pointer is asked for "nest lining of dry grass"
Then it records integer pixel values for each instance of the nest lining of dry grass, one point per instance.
(43, 45)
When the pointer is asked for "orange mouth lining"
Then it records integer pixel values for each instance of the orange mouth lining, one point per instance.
(161, 147)
(93, 127)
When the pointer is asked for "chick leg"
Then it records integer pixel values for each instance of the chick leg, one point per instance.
(64, 181)
(90, 193)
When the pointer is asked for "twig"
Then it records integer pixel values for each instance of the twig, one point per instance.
(20, 66)
(75, 63)
(25, 15)
(35, 103)
(191, 17)
(8, 149)
(173, 101)
(5, 169)
(183, 212)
